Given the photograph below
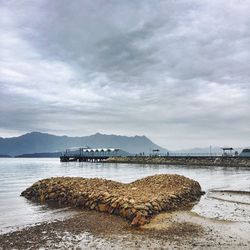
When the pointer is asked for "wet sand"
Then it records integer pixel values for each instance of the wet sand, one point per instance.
(93, 230)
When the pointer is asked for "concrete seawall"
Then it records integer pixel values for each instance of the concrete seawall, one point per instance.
(185, 160)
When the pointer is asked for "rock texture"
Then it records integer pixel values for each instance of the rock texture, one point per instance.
(184, 160)
(137, 201)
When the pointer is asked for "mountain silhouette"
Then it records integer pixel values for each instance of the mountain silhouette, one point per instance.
(36, 142)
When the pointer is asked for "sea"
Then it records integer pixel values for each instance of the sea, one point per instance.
(227, 189)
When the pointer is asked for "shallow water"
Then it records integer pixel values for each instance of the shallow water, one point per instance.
(18, 174)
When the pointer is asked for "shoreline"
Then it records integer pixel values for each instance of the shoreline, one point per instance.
(92, 230)
(214, 161)
(173, 230)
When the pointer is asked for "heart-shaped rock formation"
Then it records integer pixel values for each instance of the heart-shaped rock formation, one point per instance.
(137, 201)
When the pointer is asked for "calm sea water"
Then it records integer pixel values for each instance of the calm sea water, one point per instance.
(18, 174)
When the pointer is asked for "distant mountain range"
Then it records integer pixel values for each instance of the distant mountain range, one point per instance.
(37, 142)
(40, 155)
(5, 156)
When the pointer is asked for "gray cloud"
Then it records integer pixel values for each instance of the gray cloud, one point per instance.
(177, 71)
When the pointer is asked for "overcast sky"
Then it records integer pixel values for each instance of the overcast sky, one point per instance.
(175, 71)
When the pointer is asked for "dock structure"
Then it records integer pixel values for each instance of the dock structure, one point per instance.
(87, 154)
(227, 151)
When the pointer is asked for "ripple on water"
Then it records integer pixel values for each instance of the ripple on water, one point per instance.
(18, 174)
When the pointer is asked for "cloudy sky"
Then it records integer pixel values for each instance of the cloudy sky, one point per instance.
(175, 71)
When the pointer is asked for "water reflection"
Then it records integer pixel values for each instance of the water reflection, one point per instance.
(18, 174)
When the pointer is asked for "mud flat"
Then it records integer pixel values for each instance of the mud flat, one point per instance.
(184, 160)
(93, 230)
(138, 201)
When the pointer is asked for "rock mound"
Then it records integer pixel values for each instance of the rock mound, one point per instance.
(137, 201)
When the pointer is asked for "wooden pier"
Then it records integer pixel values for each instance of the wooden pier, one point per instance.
(83, 158)
(87, 154)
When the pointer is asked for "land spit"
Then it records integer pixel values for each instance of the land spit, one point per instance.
(228, 161)
(137, 201)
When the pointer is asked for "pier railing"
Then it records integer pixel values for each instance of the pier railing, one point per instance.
(89, 154)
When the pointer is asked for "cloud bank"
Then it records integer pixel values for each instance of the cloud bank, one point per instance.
(176, 71)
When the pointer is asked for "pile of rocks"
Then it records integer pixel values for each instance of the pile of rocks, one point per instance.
(184, 160)
(137, 201)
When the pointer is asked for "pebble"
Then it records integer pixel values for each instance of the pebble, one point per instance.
(136, 201)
